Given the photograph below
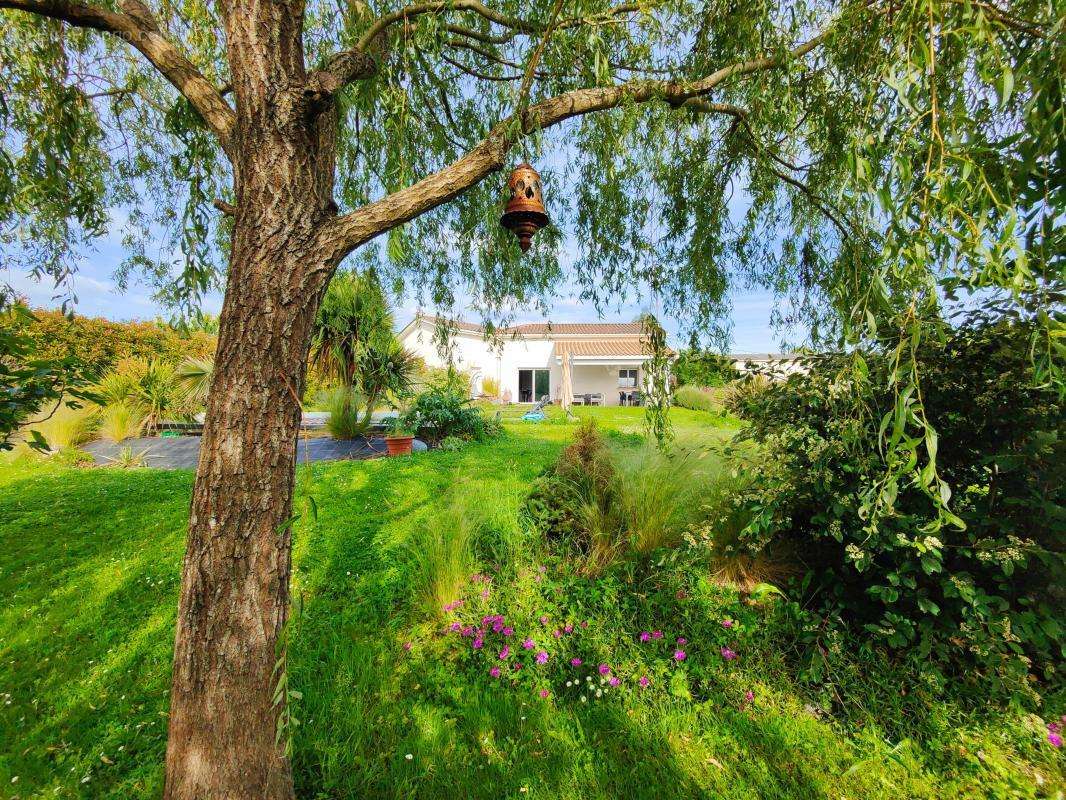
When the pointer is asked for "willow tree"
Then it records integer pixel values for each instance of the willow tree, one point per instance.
(847, 155)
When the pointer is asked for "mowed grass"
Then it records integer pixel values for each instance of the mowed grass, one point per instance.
(89, 572)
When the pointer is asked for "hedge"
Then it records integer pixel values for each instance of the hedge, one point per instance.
(99, 343)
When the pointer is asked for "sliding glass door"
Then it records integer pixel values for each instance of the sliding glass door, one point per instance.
(533, 385)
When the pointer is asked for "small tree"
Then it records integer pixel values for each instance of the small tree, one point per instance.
(354, 345)
(697, 367)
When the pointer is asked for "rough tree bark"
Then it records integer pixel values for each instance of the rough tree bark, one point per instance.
(234, 600)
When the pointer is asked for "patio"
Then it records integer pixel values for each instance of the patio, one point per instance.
(183, 452)
(600, 372)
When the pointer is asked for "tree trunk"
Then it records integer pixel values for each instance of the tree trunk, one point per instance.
(235, 584)
(223, 741)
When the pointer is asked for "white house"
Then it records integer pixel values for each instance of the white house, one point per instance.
(594, 363)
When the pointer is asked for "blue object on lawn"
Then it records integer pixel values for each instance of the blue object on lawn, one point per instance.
(536, 414)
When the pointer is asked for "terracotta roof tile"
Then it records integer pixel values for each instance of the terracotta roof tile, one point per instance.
(463, 326)
(576, 328)
(602, 348)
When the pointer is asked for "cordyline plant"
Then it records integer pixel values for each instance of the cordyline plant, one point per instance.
(846, 154)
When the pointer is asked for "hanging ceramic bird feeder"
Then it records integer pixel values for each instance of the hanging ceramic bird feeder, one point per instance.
(524, 214)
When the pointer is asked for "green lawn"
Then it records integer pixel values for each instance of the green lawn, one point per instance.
(89, 572)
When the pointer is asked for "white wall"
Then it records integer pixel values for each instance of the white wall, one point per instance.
(469, 352)
(527, 354)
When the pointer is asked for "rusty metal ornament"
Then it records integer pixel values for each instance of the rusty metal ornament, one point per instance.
(524, 214)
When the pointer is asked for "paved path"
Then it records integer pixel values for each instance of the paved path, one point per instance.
(182, 452)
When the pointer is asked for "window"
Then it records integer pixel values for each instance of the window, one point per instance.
(533, 385)
(627, 379)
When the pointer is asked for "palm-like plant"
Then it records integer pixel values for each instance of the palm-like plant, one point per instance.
(353, 317)
(354, 344)
(193, 375)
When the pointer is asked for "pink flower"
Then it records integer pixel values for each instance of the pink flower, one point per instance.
(508, 631)
(406, 645)
(656, 634)
(645, 636)
(1054, 727)
(679, 655)
(455, 626)
(749, 696)
(584, 624)
(568, 628)
(728, 654)
(614, 681)
(727, 623)
(681, 641)
(485, 594)
(575, 662)
(468, 631)
(478, 642)
(1054, 739)
(644, 681)
(542, 657)
(516, 666)
(529, 644)
(604, 669)
(558, 633)
(543, 619)
(544, 693)
(505, 652)
(497, 626)
(495, 672)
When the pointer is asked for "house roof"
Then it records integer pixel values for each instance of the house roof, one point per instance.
(458, 323)
(578, 328)
(545, 328)
(628, 347)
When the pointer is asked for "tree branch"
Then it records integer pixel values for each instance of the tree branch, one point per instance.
(362, 60)
(345, 233)
(141, 31)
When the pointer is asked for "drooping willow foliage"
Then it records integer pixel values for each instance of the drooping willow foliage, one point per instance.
(916, 149)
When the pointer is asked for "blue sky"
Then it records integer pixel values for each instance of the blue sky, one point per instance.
(97, 296)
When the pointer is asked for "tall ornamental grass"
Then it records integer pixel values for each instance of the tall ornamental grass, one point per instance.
(441, 554)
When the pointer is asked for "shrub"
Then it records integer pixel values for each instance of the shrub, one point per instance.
(701, 368)
(490, 387)
(718, 536)
(100, 344)
(583, 475)
(438, 413)
(607, 502)
(127, 458)
(150, 385)
(445, 379)
(694, 398)
(121, 421)
(28, 381)
(743, 391)
(343, 405)
(991, 593)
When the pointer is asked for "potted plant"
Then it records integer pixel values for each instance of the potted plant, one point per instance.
(399, 438)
